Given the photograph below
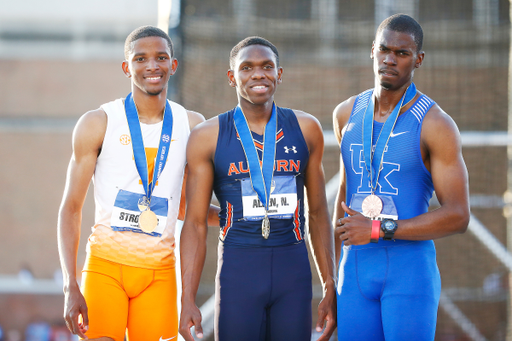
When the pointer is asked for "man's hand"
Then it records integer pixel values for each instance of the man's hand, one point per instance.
(190, 317)
(327, 313)
(355, 229)
(74, 307)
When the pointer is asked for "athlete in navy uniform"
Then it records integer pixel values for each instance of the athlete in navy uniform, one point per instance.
(397, 146)
(259, 159)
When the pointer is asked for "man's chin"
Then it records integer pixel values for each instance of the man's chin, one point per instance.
(154, 93)
(386, 85)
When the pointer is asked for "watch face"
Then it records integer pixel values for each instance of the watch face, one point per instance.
(389, 225)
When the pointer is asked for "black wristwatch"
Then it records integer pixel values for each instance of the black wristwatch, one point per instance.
(389, 227)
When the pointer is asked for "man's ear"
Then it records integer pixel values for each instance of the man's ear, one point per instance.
(174, 66)
(419, 59)
(231, 78)
(280, 75)
(126, 69)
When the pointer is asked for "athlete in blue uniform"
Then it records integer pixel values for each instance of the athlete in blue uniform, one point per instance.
(259, 159)
(397, 146)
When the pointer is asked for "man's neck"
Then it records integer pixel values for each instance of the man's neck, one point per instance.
(386, 100)
(150, 107)
(257, 116)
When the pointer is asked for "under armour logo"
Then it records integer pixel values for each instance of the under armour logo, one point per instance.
(287, 150)
(165, 138)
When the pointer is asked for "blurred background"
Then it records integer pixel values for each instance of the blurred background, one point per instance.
(61, 58)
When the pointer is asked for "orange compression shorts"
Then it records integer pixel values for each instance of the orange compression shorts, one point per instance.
(125, 299)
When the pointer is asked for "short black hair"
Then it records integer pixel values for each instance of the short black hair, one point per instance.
(248, 42)
(404, 24)
(144, 32)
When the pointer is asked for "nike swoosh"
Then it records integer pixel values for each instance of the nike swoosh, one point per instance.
(161, 338)
(393, 134)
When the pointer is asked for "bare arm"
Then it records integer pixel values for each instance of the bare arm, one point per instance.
(321, 236)
(442, 155)
(87, 140)
(213, 211)
(200, 151)
(341, 116)
(194, 118)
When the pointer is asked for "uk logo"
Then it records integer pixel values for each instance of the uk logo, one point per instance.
(358, 167)
(288, 150)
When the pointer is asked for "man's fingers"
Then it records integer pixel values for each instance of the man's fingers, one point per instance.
(75, 327)
(69, 325)
(320, 322)
(348, 209)
(186, 325)
(81, 322)
(199, 329)
(186, 333)
(85, 317)
(329, 329)
(80, 330)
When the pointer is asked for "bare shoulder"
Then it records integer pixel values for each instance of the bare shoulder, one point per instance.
(90, 129)
(88, 135)
(439, 129)
(341, 115)
(207, 126)
(204, 135)
(311, 129)
(307, 122)
(95, 118)
(194, 118)
(342, 112)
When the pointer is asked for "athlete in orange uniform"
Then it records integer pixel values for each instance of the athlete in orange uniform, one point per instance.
(129, 280)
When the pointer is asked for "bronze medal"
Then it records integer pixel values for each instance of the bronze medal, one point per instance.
(371, 206)
(148, 221)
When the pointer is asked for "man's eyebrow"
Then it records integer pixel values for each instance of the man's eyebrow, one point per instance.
(145, 53)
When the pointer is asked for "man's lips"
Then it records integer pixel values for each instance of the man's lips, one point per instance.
(388, 72)
(153, 78)
(259, 88)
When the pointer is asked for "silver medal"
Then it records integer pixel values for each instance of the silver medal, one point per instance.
(265, 227)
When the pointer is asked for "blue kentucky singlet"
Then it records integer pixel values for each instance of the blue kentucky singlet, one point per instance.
(241, 210)
(403, 177)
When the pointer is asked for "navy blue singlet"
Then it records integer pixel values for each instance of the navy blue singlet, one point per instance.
(231, 170)
(263, 286)
(389, 290)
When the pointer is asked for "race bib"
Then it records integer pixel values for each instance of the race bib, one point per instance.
(388, 206)
(283, 199)
(126, 212)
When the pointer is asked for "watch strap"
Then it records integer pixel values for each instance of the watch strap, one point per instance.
(389, 234)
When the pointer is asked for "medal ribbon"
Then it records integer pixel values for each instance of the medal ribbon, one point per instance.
(375, 158)
(261, 174)
(139, 153)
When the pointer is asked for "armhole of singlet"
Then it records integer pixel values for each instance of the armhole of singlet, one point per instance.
(353, 112)
(294, 124)
(420, 128)
(223, 123)
(112, 109)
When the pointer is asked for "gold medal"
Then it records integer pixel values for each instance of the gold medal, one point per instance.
(372, 206)
(148, 221)
(265, 227)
